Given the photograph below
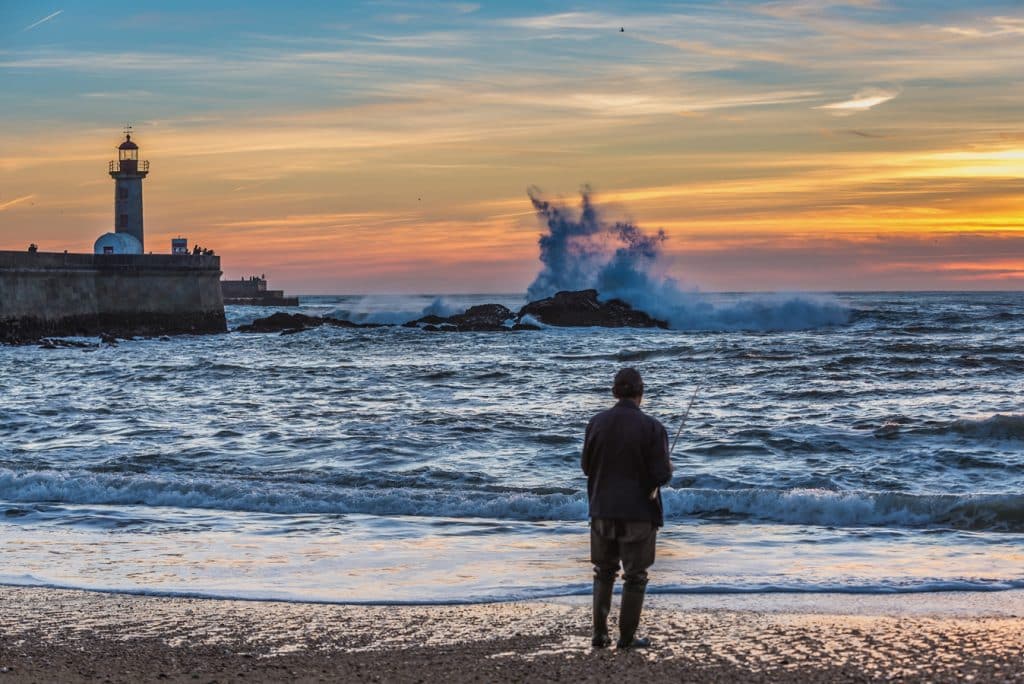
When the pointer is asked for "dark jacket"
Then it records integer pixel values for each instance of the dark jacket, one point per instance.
(625, 457)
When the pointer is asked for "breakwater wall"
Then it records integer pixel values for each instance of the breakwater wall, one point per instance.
(53, 294)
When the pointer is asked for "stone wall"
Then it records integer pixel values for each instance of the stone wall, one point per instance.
(44, 294)
(243, 288)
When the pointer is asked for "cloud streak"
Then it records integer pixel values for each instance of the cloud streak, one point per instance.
(17, 200)
(43, 20)
(861, 102)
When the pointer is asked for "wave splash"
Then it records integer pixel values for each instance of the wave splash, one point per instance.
(584, 251)
(1002, 512)
(993, 512)
(998, 427)
(393, 310)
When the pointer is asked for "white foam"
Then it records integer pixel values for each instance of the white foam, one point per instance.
(999, 426)
(277, 497)
(394, 309)
(304, 595)
(794, 506)
(852, 508)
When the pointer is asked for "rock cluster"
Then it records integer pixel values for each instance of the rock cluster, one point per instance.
(582, 309)
(481, 318)
(565, 309)
(291, 323)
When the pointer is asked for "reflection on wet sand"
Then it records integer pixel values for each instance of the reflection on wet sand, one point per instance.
(376, 559)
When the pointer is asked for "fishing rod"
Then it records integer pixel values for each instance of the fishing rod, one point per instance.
(654, 492)
(685, 414)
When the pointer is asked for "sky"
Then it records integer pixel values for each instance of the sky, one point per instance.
(387, 146)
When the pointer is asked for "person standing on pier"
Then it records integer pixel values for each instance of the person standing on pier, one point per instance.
(626, 460)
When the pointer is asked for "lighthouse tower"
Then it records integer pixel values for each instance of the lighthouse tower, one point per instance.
(128, 172)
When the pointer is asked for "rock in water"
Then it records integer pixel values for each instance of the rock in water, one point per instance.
(568, 309)
(280, 322)
(290, 323)
(582, 308)
(481, 318)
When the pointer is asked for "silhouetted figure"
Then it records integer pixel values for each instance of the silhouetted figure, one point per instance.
(625, 457)
(33, 248)
(195, 250)
(622, 29)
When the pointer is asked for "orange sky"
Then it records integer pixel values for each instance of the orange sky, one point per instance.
(842, 146)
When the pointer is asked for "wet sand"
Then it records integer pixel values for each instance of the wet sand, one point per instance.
(71, 636)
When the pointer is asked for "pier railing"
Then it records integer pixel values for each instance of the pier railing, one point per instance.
(42, 261)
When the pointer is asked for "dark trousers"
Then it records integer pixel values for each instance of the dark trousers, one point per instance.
(629, 542)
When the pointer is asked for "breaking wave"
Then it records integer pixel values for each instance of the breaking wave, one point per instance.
(997, 427)
(394, 310)
(996, 512)
(1002, 512)
(583, 250)
(1000, 427)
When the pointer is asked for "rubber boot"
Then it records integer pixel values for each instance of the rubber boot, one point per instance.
(602, 606)
(629, 617)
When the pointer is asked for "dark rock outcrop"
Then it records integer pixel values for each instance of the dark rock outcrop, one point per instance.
(28, 330)
(110, 327)
(481, 318)
(582, 308)
(579, 309)
(289, 323)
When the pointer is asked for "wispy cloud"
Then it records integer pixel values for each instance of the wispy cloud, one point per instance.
(45, 19)
(863, 134)
(566, 20)
(255, 64)
(709, 49)
(101, 61)
(464, 7)
(428, 40)
(623, 105)
(119, 94)
(997, 28)
(861, 102)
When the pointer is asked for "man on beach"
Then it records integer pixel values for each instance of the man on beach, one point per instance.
(626, 460)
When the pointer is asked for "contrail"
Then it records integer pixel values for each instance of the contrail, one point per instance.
(42, 21)
(16, 200)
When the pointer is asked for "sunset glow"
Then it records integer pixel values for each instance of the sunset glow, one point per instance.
(388, 146)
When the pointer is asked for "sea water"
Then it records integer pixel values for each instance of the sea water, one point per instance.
(392, 464)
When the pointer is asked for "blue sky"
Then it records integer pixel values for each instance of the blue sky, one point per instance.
(372, 146)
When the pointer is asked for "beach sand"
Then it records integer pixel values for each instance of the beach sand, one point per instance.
(70, 636)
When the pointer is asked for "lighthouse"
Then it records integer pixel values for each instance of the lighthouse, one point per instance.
(128, 172)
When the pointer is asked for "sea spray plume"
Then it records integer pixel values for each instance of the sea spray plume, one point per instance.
(583, 252)
(622, 261)
(393, 309)
(569, 256)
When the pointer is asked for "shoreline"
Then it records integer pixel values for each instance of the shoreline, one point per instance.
(944, 600)
(74, 635)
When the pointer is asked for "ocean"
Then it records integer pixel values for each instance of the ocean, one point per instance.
(394, 465)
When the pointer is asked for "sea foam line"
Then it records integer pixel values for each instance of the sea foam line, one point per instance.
(528, 593)
(1001, 512)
